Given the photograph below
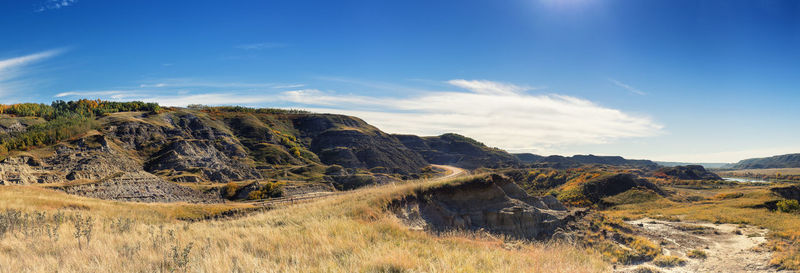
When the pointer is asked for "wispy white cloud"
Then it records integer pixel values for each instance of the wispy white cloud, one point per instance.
(17, 62)
(489, 87)
(189, 82)
(109, 93)
(55, 4)
(378, 85)
(627, 87)
(287, 86)
(260, 46)
(14, 71)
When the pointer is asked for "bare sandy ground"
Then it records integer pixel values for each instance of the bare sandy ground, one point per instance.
(730, 248)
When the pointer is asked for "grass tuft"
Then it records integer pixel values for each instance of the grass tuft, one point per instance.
(697, 254)
(669, 261)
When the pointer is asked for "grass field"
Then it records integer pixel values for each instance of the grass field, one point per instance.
(346, 233)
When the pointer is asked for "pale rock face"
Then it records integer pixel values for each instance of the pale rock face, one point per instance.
(140, 186)
(15, 170)
(187, 155)
(13, 128)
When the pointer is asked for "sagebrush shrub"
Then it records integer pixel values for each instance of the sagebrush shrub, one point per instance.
(788, 206)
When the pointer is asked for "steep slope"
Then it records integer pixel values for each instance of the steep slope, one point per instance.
(305, 138)
(778, 161)
(458, 150)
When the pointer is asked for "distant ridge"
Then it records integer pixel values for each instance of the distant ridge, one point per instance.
(705, 165)
(577, 160)
(778, 161)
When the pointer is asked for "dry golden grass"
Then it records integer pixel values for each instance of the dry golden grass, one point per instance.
(345, 233)
(34, 198)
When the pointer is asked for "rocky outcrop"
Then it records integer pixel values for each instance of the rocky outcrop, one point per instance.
(453, 149)
(493, 203)
(12, 127)
(184, 146)
(18, 171)
(200, 157)
(140, 187)
(139, 136)
(688, 172)
(88, 158)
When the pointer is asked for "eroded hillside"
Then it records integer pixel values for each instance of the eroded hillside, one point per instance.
(92, 147)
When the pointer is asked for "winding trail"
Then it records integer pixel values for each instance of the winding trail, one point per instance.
(451, 172)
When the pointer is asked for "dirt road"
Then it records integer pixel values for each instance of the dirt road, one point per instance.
(451, 172)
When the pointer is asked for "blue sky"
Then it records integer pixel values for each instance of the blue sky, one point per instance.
(701, 81)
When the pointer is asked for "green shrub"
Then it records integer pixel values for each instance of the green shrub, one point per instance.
(790, 206)
(268, 190)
